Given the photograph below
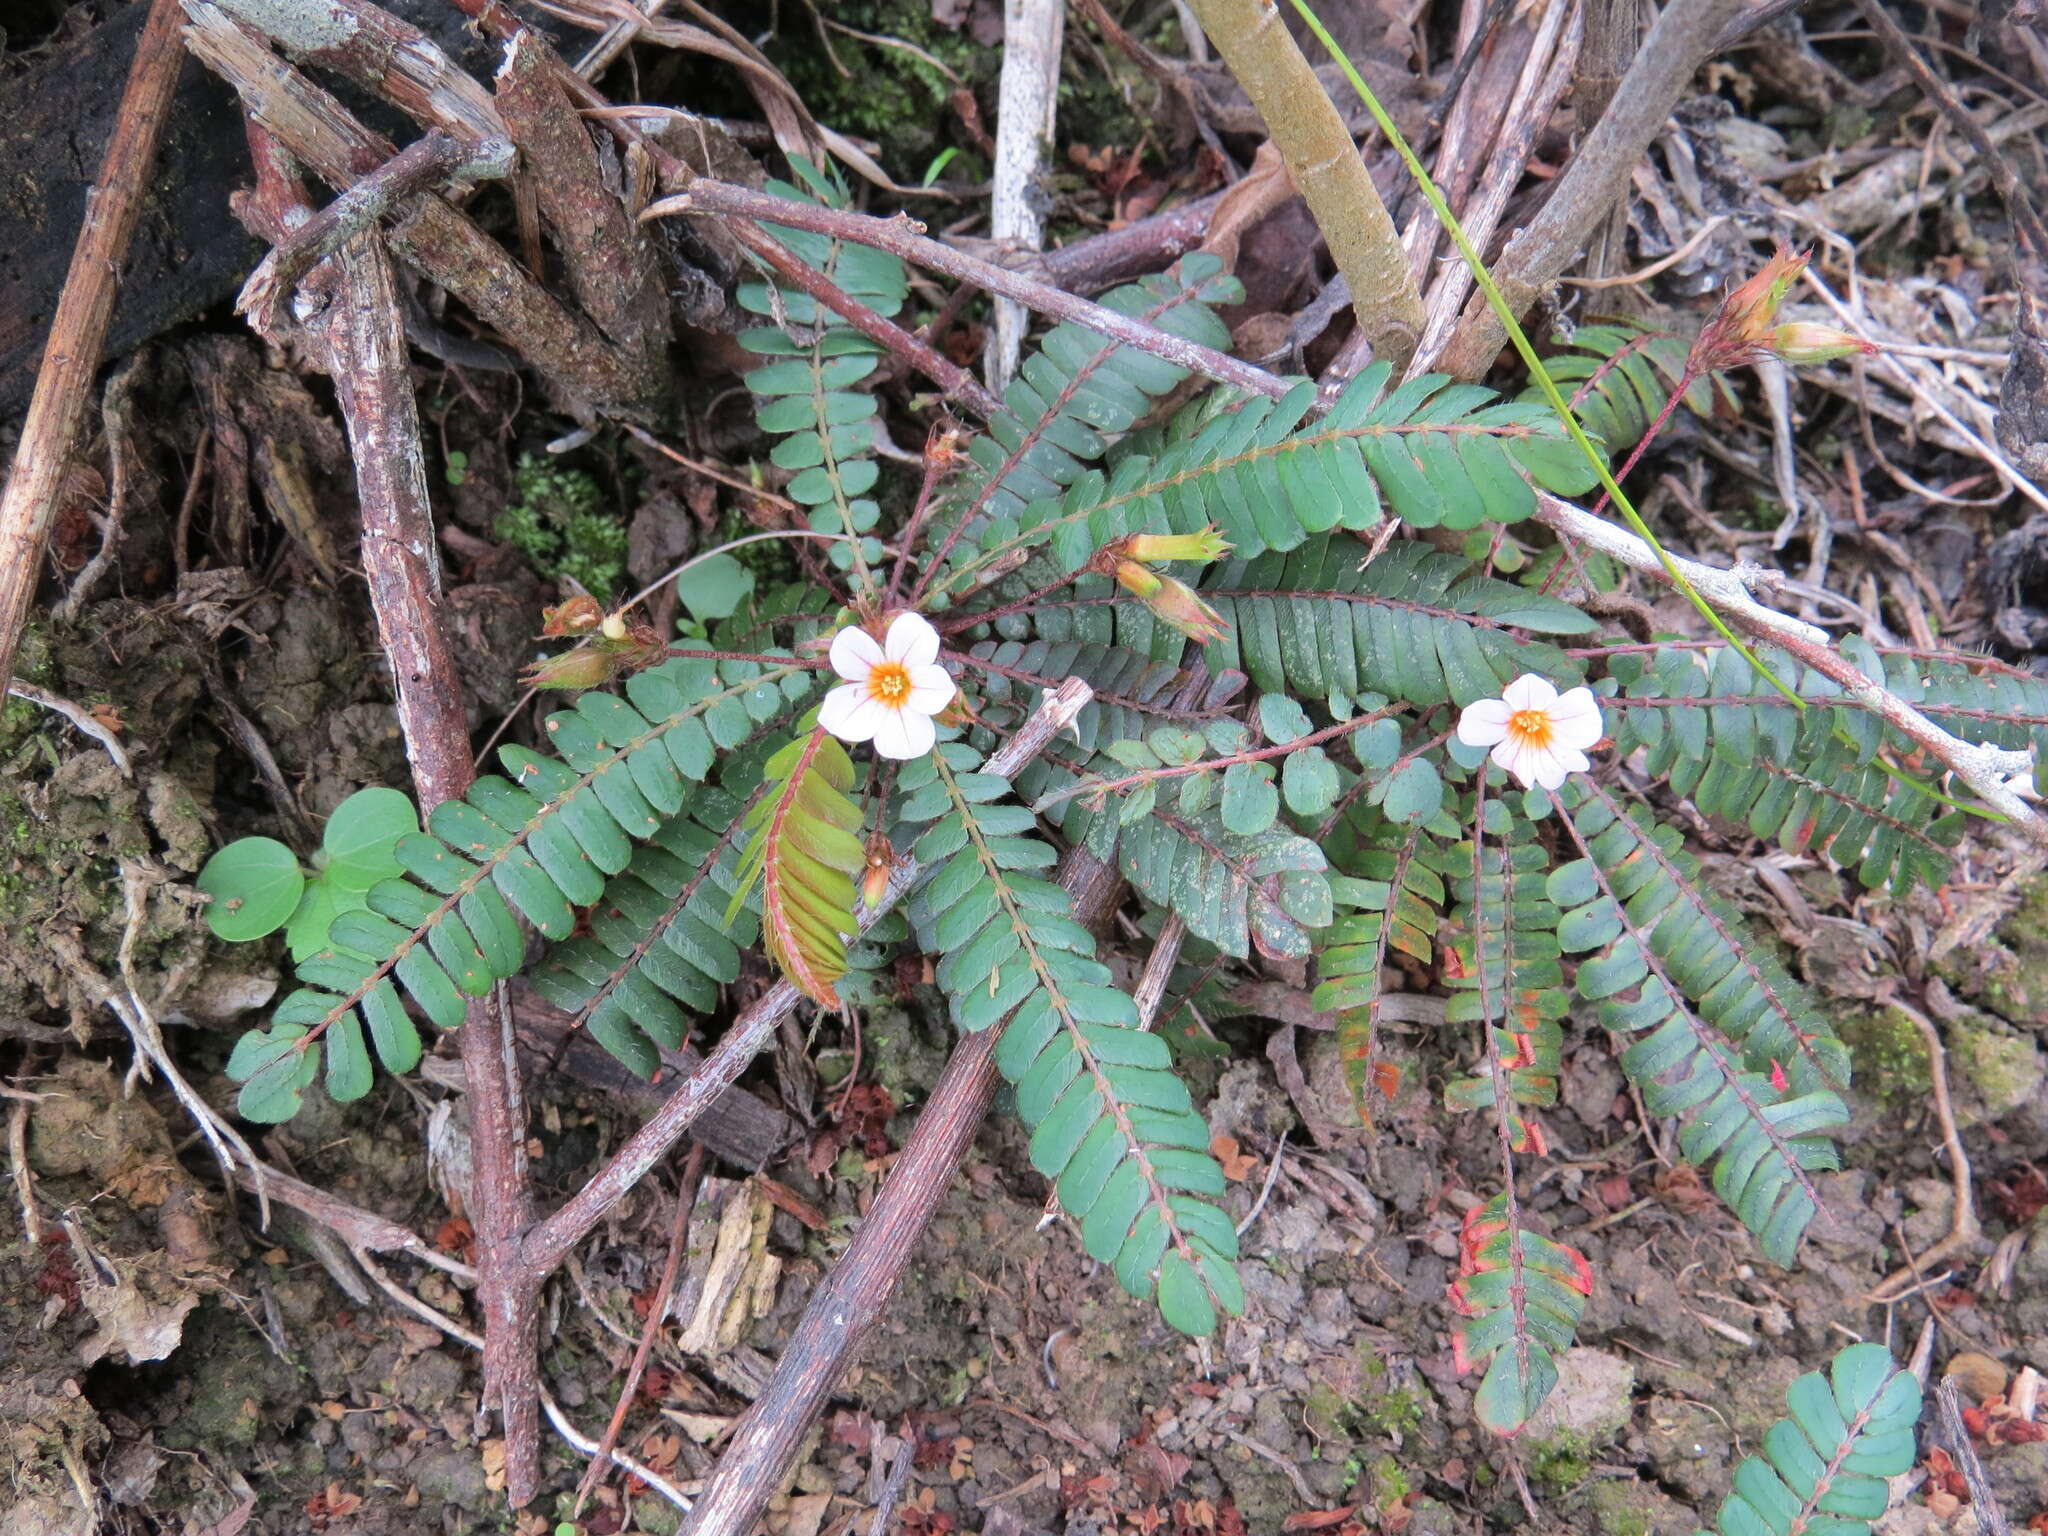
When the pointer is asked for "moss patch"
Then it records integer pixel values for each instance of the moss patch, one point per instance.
(1889, 1054)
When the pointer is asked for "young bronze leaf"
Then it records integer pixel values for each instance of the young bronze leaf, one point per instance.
(806, 854)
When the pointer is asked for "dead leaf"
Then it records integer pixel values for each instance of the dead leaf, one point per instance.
(142, 1314)
(1262, 189)
(1237, 1163)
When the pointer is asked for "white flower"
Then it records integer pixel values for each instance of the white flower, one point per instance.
(1536, 733)
(891, 691)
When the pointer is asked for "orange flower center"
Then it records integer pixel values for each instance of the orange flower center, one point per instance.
(1530, 727)
(890, 683)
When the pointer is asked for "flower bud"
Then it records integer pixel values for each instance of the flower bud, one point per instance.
(1800, 342)
(1752, 308)
(880, 864)
(1171, 602)
(586, 666)
(614, 647)
(1201, 547)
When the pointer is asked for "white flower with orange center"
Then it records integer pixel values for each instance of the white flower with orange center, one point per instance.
(1538, 734)
(893, 687)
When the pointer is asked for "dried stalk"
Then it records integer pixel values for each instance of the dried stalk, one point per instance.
(902, 236)
(78, 331)
(417, 168)
(1985, 769)
(366, 354)
(957, 383)
(1029, 87)
(1253, 38)
(609, 261)
(678, 1240)
(445, 246)
(1546, 71)
(383, 54)
(2019, 203)
(1595, 177)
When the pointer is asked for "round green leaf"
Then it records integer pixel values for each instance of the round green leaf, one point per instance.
(1414, 794)
(361, 835)
(1250, 802)
(1282, 719)
(255, 883)
(714, 587)
(324, 901)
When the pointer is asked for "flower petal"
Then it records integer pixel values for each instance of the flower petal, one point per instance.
(1529, 692)
(931, 689)
(1573, 759)
(912, 641)
(1518, 758)
(1549, 767)
(904, 734)
(849, 713)
(1575, 719)
(1484, 722)
(854, 654)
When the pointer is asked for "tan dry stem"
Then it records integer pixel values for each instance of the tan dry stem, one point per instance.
(1253, 38)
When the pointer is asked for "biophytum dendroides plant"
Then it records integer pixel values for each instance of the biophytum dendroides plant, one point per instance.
(1376, 757)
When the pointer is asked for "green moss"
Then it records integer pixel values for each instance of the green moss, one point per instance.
(1618, 1509)
(2005, 1068)
(888, 94)
(559, 521)
(1561, 1465)
(1888, 1051)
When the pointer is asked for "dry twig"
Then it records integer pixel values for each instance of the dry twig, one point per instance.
(79, 329)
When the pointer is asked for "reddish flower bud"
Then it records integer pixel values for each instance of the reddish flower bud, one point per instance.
(1171, 602)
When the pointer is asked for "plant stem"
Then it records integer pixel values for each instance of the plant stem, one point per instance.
(1327, 168)
(1102, 788)
(657, 1314)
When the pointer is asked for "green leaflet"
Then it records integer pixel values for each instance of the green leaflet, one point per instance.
(807, 396)
(1505, 975)
(1110, 1123)
(1620, 374)
(1430, 452)
(1073, 395)
(1518, 1296)
(1824, 1467)
(1395, 899)
(1815, 782)
(1716, 1020)
(535, 845)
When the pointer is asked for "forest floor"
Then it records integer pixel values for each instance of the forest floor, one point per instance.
(171, 1363)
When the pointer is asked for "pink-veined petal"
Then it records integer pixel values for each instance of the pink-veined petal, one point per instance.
(1575, 719)
(1544, 766)
(912, 641)
(1529, 692)
(904, 734)
(931, 689)
(1484, 722)
(849, 713)
(1574, 761)
(854, 654)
